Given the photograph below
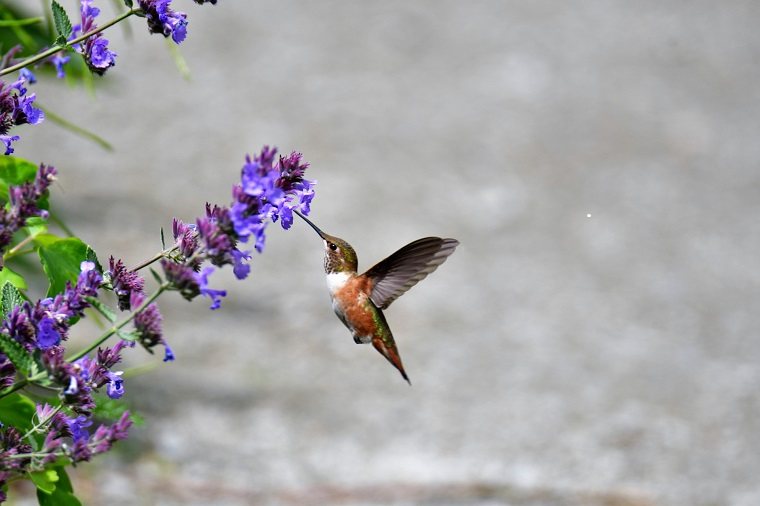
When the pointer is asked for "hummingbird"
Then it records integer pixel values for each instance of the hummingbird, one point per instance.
(359, 299)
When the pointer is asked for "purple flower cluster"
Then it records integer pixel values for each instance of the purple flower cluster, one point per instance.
(78, 380)
(271, 187)
(95, 48)
(16, 108)
(24, 204)
(162, 19)
(269, 190)
(45, 324)
(148, 326)
(123, 282)
(64, 437)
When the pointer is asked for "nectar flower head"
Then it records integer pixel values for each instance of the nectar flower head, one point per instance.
(269, 190)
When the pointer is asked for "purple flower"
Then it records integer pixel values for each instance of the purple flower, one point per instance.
(105, 436)
(28, 75)
(7, 140)
(162, 19)
(58, 61)
(16, 109)
(95, 48)
(78, 428)
(47, 335)
(115, 386)
(17, 324)
(270, 191)
(185, 237)
(147, 322)
(214, 295)
(168, 353)
(112, 356)
(182, 278)
(241, 269)
(99, 56)
(124, 282)
(73, 379)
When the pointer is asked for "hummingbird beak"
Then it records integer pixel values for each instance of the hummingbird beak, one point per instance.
(316, 228)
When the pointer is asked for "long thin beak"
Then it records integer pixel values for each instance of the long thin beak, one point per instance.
(304, 218)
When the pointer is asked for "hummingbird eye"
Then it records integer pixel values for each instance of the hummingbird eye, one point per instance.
(332, 246)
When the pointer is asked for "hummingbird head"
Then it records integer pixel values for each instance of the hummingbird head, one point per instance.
(339, 255)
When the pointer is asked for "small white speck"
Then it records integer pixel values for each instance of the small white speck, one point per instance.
(588, 215)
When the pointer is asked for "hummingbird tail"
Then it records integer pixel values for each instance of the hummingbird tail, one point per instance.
(390, 352)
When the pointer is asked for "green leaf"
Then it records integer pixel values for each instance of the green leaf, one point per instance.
(6, 23)
(36, 226)
(112, 409)
(45, 480)
(10, 297)
(8, 276)
(16, 353)
(128, 335)
(156, 276)
(61, 20)
(61, 259)
(17, 410)
(14, 171)
(102, 308)
(63, 495)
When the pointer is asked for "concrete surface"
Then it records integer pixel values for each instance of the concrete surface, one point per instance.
(593, 341)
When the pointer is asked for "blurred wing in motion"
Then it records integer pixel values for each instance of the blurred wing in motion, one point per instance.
(406, 267)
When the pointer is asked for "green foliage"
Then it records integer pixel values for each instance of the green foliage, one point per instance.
(45, 480)
(7, 23)
(108, 313)
(15, 352)
(8, 276)
(17, 410)
(14, 171)
(111, 409)
(35, 37)
(62, 493)
(61, 259)
(36, 225)
(62, 23)
(10, 298)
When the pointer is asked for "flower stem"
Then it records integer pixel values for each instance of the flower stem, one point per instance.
(156, 258)
(41, 423)
(50, 52)
(113, 330)
(14, 250)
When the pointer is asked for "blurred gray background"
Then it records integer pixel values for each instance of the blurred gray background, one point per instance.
(594, 339)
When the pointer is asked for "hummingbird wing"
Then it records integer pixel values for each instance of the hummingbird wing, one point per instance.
(406, 267)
